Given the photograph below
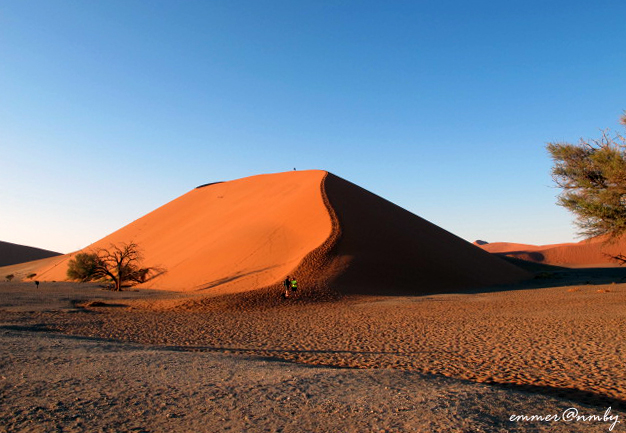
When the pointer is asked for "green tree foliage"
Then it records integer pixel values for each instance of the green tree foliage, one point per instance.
(83, 267)
(119, 264)
(592, 176)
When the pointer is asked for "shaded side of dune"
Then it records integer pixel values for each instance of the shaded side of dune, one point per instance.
(381, 248)
(11, 254)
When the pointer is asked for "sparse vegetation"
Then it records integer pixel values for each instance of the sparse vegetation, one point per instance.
(118, 264)
(82, 267)
(31, 276)
(592, 175)
(9, 277)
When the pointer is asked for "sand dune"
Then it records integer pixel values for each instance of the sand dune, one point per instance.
(11, 254)
(586, 253)
(250, 233)
(384, 247)
(504, 247)
(229, 236)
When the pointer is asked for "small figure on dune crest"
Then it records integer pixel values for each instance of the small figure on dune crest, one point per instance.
(37, 284)
(287, 285)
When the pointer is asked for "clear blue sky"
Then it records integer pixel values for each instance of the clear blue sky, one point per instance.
(109, 109)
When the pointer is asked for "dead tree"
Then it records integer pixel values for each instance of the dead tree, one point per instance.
(118, 264)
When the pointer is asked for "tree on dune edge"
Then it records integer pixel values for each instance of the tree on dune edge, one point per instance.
(592, 176)
(118, 264)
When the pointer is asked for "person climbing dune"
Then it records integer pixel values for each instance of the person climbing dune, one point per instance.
(287, 285)
(294, 286)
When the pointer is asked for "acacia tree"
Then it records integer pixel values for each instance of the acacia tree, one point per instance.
(592, 175)
(119, 264)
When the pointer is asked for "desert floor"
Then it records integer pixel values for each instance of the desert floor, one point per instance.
(78, 358)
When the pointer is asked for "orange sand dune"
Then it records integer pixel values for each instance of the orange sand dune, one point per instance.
(503, 247)
(250, 233)
(230, 236)
(587, 253)
(11, 254)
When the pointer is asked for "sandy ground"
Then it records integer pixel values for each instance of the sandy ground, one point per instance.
(71, 364)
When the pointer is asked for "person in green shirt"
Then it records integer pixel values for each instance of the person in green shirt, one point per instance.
(294, 286)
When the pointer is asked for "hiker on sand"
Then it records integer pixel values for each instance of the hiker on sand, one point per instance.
(294, 286)
(37, 284)
(287, 284)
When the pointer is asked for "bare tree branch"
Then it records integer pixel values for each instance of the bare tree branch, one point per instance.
(118, 263)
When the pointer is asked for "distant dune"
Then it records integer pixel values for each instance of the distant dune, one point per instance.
(250, 233)
(586, 253)
(11, 254)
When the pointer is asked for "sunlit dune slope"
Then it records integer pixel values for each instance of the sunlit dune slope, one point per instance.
(382, 248)
(11, 254)
(587, 253)
(332, 235)
(229, 236)
(502, 247)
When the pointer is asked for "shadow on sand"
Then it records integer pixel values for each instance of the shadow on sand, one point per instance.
(558, 276)
(588, 398)
(595, 399)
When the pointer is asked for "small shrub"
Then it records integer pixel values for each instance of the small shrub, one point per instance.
(31, 276)
(83, 267)
(10, 277)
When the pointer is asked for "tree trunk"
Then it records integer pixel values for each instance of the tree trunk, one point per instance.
(118, 280)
